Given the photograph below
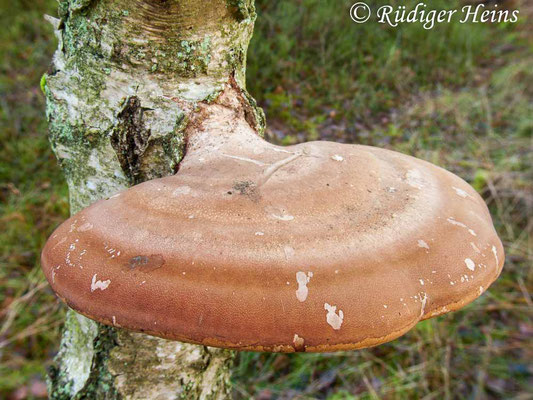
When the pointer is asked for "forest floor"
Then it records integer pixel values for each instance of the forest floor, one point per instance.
(459, 95)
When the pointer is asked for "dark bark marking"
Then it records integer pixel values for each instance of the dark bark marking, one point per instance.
(131, 139)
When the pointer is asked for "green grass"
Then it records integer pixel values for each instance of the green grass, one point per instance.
(460, 96)
(32, 197)
(309, 58)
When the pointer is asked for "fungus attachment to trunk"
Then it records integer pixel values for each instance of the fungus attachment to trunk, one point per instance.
(251, 246)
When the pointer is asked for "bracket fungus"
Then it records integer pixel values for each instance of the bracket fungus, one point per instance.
(314, 247)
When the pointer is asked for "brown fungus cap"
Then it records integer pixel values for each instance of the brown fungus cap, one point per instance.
(314, 247)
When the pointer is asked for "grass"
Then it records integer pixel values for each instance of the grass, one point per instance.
(309, 58)
(32, 199)
(460, 96)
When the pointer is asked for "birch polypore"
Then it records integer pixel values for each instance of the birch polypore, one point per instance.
(314, 247)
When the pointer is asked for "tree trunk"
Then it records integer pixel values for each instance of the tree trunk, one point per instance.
(123, 88)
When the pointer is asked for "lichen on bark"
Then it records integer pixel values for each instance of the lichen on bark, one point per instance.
(145, 365)
(124, 83)
(166, 55)
(76, 353)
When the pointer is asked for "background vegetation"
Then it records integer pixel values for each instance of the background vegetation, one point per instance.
(460, 96)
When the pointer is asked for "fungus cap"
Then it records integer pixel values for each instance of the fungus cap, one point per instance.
(314, 247)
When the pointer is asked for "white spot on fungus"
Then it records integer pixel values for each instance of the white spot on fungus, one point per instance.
(452, 221)
(259, 233)
(423, 244)
(245, 159)
(414, 178)
(476, 249)
(332, 318)
(337, 157)
(279, 213)
(460, 192)
(303, 279)
(494, 251)
(421, 282)
(280, 150)
(470, 264)
(98, 284)
(60, 242)
(289, 252)
(181, 190)
(423, 303)
(283, 217)
(85, 227)
(298, 341)
(438, 311)
(73, 226)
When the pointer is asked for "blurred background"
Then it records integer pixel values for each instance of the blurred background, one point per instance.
(459, 95)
